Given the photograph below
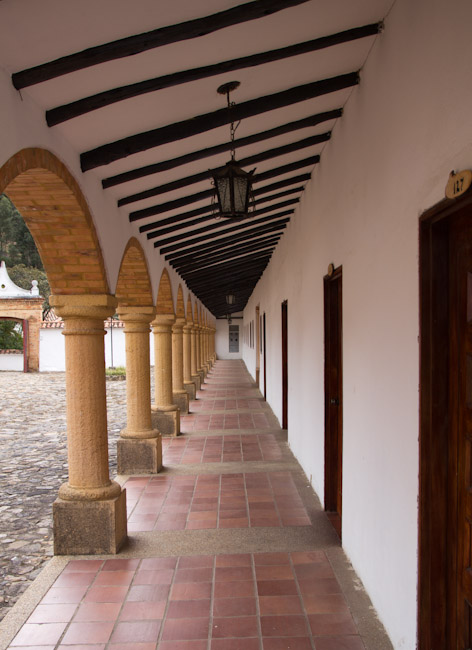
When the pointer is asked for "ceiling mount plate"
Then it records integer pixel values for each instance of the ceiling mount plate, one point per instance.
(228, 87)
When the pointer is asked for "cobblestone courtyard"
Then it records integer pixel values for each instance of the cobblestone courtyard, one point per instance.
(33, 465)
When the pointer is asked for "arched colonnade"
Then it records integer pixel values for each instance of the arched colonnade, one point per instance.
(90, 511)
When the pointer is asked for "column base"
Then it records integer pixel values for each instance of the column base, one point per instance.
(181, 399)
(89, 527)
(191, 389)
(139, 456)
(202, 374)
(166, 422)
(197, 380)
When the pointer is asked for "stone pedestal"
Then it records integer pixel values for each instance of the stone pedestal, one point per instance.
(90, 513)
(139, 450)
(136, 456)
(191, 389)
(89, 527)
(165, 415)
(181, 400)
(168, 422)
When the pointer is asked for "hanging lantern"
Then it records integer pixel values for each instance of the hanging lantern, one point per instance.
(232, 184)
(230, 299)
(233, 187)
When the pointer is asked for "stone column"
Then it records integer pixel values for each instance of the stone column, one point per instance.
(195, 376)
(205, 364)
(213, 347)
(189, 385)
(165, 414)
(139, 448)
(90, 513)
(180, 395)
(200, 368)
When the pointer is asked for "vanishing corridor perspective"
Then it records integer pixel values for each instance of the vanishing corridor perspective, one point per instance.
(272, 200)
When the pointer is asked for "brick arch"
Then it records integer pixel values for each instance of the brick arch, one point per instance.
(133, 288)
(195, 314)
(56, 213)
(189, 309)
(180, 307)
(165, 302)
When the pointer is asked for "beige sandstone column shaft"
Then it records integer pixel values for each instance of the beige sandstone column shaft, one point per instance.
(138, 372)
(180, 395)
(195, 375)
(89, 482)
(140, 446)
(162, 329)
(193, 357)
(187, 352)
(167, 418)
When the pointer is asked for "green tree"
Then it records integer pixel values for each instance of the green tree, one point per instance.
(10, 337)
(17, 245)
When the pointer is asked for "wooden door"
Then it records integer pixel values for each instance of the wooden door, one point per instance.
(460, 400)
(284, 365)
(445, 535)
(264, 354)
(333, 397)
(258, 350)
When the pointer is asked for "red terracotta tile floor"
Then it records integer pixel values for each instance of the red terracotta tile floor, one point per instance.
(261, 601)
(246, 601)
(220, 449)
(214, 501)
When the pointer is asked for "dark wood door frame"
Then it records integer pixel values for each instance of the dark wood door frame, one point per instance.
(333, 397)
(264, 354)
(284, 365)
(438, 446)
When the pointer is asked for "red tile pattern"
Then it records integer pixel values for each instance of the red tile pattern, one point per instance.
(220, 449)
(222, 404)
(214, 501)
(264, 601)
(217, 421)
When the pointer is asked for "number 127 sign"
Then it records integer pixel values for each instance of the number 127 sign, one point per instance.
(458, 183)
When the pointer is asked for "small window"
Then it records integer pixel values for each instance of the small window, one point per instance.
(233, 338)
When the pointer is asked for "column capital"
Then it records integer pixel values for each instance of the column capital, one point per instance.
(163, 320)
(99, 306)
(179, 324)
(138, 314)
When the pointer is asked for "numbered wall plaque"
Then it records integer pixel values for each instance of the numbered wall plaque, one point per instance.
(458, 183)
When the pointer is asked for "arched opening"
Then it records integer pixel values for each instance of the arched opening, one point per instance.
(59, 220)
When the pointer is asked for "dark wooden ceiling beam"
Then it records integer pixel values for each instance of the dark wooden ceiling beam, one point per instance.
(85, 105)
(227, 254)
(216, 226)
(166, 165)
(199, 220)
(211, 265)
(226, 284)
(196, 240)
(257, 178)
(246, 265)
(216, 245)
(226, 247)
(244, 162)
(224, 258)
(241, 280)
(131, 45)
(211, 208)
(119, 149)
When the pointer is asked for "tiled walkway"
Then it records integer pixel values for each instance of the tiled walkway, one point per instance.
(228, 550)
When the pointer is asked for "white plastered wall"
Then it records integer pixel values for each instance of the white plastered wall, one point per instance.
(222, 338)
(404, 129)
